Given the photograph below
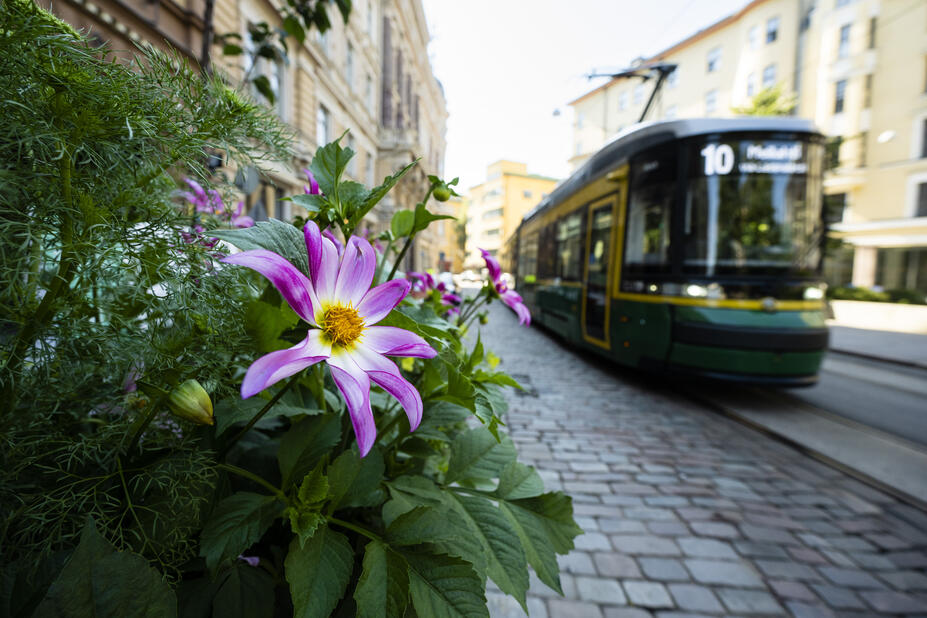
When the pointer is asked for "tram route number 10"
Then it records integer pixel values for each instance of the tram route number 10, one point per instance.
(719, 159)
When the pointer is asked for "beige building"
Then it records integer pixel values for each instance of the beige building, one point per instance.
(497, 206)
(441, 250)
(858, 69)
(370, 76)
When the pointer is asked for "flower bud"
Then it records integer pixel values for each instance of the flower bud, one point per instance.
(191, 401)
(484, 318)
(442, 193)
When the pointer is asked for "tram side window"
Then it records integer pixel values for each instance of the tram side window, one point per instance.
(547, 263)
(528, 258)
(653, 187)
(570, 247)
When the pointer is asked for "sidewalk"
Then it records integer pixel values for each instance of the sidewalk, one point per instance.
(905, 348)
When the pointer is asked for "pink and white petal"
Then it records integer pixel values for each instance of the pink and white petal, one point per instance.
(494, 270)
(356, 273)
(514, 301)
(313, 247)
(273, 367)
(328, 234)
(379, 301)
(396, 342)
(385, 374)
(354, 385)
(328, 272)
(293, 285)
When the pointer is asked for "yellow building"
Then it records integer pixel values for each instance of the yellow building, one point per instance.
(497, 206)
(858, 69)
(371, 76)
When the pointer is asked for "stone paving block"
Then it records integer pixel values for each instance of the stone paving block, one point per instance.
(872, 562)
(850, 578)
(622, 500)
(656, 479)
(891, 602)
(565, 607)
(644, 545)
(600, 590)
(850, 543)
(664, 569)
(649, 513)
(838, 558)
(635, 489)
(592, 541)
(501, 605)
(905, 559)
(750, 601)
(691, 514)
(621, 525)
(809, 556)
(791, 590)
(706, 548)
(616, 565)
(724, 573)
(577, 562)
(668, 528)
(783, 569)
(714, 529)
(906, 580)
(588, 466)
(647, 594)
(888, 541)
(809, 610)
(837, 597)
(626, 612)
(753, 549)
(666, 501)
(764, 534)
(695, 598)
(586, 488)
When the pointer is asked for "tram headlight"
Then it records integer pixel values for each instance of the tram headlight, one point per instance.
(696, 291)
(814, 292)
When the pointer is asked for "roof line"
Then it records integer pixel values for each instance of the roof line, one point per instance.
(697, 36)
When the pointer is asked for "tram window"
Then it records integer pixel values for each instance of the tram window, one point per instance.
(528, 257)
(547, 263)
(653, 185)
(570, 247)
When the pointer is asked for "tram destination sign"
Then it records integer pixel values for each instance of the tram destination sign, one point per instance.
(753, 157)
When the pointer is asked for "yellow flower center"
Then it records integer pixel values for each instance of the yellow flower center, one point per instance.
(342, 324)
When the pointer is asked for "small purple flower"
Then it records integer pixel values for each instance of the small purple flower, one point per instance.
(251, 560)
(509, 297)
(313, 188)
(421, 282)
(240, 220)
(339, 302)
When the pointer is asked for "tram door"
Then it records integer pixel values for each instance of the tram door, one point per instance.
(597, 275)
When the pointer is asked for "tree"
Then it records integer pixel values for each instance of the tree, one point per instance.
(771, 101)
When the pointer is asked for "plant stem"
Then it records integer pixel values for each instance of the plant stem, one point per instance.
(155, 406)
(362, 531)
(253, 477)
(376, 275)
(228, 445)
(402, 254)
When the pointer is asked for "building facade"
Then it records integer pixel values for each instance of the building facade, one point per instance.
(857, 68)
(498, 205)
(370, 76)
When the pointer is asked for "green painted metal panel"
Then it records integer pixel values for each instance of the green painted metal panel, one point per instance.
(757, 319)
(746, 361)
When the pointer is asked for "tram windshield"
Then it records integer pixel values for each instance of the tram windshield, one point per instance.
(753, 206)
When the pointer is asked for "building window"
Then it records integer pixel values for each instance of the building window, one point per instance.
(840, 92)
(843, 46)
(753, 36)
(832, 152)
(751, 84)
(714, 60)
(863, 141)
(623, 101)
(835, 207)
(711, 102)
(673, 78)
(349, 67)
(352, 162)
(873, 21)
(495, 213)
(580, 119)
(527, 194)
(867, 92)
(368, 169)
(638, 94)
(569, 247)
(772, 30)
(492, 233)
(769, 76)
(921, 200)
(323, 128)
(924, 138)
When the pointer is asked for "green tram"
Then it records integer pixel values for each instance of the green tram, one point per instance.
(689, 245)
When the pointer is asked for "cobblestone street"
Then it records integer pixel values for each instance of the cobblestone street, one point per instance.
(687, 513)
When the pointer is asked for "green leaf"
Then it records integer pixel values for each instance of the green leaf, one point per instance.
(378, 193)
(444, 587)
(476, 454)
(409, 492)
(311, 202)
(328, 165)
(440, 419)
(237, 411)
(318, 573)
(519, 481)
(476, 356)
(304, 511)
(102, 582)
(401, 223)
(235, 524)
(383, 588)
(314, 488)
(230, 49)
(294, 28)
(276, 236)
(304, 523)
(263, 84)
(265, 323)
(304, 444)
(442, 526)
(545, 525)
(355, 481)
(423, 218)
(245, 592)
(500, 378)
(505, 559)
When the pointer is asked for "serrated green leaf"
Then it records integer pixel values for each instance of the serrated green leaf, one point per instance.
(236, 411)
(519, 481)
(440, 419)
(355, 481)
(383, 588)
(505, 559)
(444, 586)
(318, 573)
(102, 582)
(235, 524)
(312, 202)
(500, 378)
(401, 223)
(443, 527)
(476, 454)
(409, 492)
(352, 195)
(545, 525)
(304, 444)
(423, 218)
(378, 193)
(476, 356)
(303, 523)
(328, 165)
(273, 235)
(314, 487)
(244, 592)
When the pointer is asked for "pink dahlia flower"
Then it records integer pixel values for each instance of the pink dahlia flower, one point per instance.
(509, 297)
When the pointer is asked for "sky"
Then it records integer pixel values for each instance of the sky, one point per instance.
(508, 65)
